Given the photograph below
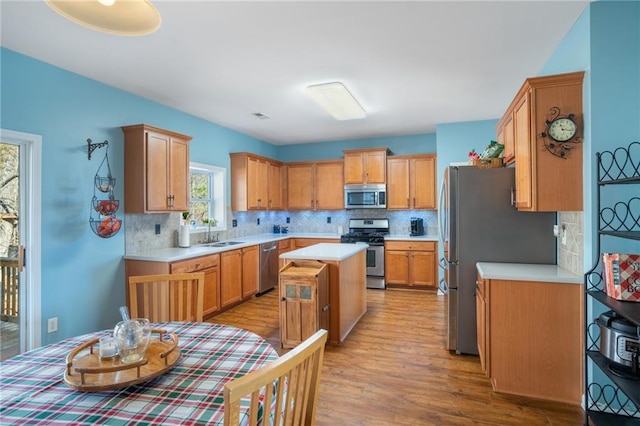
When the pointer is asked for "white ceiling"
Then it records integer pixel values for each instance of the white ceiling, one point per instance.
(411, 64)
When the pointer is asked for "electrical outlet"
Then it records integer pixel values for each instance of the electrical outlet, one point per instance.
(329, 219)
(157, 229)
(234, 223)
(52, 325)
(258, 221)
(288, 220)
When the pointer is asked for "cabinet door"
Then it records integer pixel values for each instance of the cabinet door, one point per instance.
(375, 167)
(179, 174)
(250, 271)
(524, 168)
(230, 277)
(275, 186)
(353, 168)
(298, 311)
(509, 141)
(423, 183)
(157, 178)
(422, 272)
(300, 190)
(211, 291)
(481, 329)
(257, 180)
(396, 266)
(329, 184)
(398, 196)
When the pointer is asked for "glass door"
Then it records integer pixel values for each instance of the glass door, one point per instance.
(11, 259)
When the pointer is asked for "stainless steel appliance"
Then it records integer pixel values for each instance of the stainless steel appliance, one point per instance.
(417, 226)
(365, 196)
(268, 266)
(478, 223)
(371, 232)
(619, 341)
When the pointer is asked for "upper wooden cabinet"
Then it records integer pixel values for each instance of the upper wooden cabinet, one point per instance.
(362, 166)
(544, 181)
(256, 182)
(505, 136)
(315, 185)
(411, 182)
(156, 170)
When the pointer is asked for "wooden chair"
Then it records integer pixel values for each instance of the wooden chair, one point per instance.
(294, 381)
(167, 297)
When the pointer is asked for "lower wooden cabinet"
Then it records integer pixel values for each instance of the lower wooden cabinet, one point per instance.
(297, 243)
(239, 278)
(304, 301)
(530, 338)
(284, 246)
(411, 264)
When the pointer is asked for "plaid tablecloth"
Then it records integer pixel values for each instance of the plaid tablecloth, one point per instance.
(32, 389)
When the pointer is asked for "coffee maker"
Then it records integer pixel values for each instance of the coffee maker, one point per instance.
(417, 226)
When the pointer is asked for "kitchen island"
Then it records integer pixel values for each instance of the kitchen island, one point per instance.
(347, 283)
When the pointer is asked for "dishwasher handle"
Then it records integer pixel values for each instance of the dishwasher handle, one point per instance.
(269, 248)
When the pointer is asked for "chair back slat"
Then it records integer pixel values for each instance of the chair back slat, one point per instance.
(293, 380)
(167, 297)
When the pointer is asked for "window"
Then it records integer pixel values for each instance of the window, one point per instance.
(207, 191)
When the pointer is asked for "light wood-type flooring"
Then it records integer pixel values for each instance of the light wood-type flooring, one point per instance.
(394, 369)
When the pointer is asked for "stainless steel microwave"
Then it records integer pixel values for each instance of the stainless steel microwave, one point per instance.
(365, 196)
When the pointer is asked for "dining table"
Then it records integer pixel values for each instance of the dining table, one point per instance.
(33, 390)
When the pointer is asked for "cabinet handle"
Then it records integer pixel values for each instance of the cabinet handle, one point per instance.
(316, 204)
(197, 265)
(414, 202)
(270, 202)
(408, 202)
(282, 299)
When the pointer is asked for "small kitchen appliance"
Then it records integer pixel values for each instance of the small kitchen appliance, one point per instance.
(371, 232)
(417, 226)
(365, 196)
(619, 342)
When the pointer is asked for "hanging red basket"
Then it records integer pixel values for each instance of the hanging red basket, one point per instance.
(106, 228)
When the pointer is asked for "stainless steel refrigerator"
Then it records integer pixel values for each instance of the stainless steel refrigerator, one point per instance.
(478, 223)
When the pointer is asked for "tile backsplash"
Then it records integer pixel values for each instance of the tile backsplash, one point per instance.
(140, 228)
(571, 255)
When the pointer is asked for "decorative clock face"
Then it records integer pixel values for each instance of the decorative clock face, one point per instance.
(562, 129)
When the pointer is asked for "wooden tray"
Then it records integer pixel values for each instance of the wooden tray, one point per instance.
(88, 372)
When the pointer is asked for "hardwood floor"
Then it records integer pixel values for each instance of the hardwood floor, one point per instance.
(393, 369)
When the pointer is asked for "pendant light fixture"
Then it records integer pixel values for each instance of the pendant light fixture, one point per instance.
(121, 17)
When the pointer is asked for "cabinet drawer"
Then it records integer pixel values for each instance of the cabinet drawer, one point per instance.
(410, 245)
(196, 264)
(284, 244)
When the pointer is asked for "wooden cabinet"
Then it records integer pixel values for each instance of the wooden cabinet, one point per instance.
(411, 182)
(297, 243)
(210, 265)
(363, 166)
(505, 135)
(530, 338)
(284, 246)
(544, 181)
(304, 301)
(411, 264)
(256, 182)
(239, 277)
(481, 324)
(315, 185)
(156, 170)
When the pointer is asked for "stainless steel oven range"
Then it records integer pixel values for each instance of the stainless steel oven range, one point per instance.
(372, 232)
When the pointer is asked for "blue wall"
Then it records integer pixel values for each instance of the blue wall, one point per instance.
(82, 274)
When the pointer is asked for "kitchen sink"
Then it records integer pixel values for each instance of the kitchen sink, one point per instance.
(223, 244)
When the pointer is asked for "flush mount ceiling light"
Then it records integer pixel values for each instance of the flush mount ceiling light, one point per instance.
(122, 17)
(336, 99)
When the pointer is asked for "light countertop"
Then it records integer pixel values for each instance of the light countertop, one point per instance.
(326, 251)
(527, 272)
(175, 254)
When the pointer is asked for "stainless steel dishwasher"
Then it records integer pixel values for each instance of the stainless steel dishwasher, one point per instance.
(268, 266)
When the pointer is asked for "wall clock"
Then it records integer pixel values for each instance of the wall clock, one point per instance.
(560, 133)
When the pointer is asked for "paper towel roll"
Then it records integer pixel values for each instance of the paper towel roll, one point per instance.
(183, 236)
